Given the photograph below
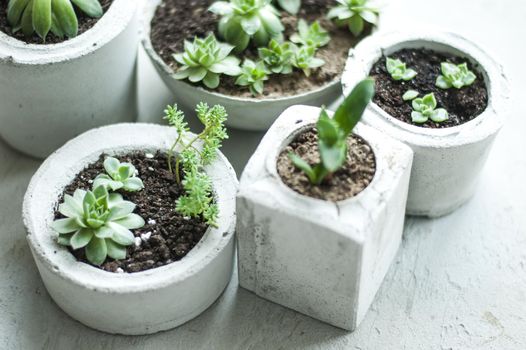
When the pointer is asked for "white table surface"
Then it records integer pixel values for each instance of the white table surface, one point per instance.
(458, 282)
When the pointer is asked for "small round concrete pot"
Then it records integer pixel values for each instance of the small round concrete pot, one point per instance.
(52, 93)
(137, 303)
(244, 113)
(447, 161)
(323, 259)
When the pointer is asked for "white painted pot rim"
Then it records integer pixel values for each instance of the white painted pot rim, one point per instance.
(110, 25)
(149, 13)
(370, 50)
(85, 149)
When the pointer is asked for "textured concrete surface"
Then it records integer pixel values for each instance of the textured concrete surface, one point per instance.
(458, 282)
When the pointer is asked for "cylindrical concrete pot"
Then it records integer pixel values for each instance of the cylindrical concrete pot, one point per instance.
(52, 93)
(137, 303)
(447, 161)
(324, 259)
(244, 113)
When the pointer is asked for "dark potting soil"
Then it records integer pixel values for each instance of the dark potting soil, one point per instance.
(172, 235)
(355, 175)
(463, 105)
(85, 23)
(179, 20)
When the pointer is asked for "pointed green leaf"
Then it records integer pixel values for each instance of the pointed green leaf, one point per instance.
(115, 251)
(96, 251)
(131, 222)
(65, 225)
(91, 8)
(352, 108)
(42, 17)
(81, 238)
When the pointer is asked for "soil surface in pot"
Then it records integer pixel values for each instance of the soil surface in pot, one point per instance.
(463, 104)
(356, 174)
(179, 20)
(167, 236)
(85, 23)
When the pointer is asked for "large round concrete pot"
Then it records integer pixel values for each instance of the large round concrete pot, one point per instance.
(52, 93)
(244, 113)
(447, 161)
(136, 303)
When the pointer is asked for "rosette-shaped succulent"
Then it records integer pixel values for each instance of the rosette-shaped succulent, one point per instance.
(119, 175)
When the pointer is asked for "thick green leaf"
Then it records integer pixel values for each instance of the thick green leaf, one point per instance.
(131, 222)
(91, 8)
(291, 6)
(327, 129)
(251, 24)
(81, 238)
(111, 165)
(115, 251)
(96, 251)
(121, 234)
(121, 210)
(65, 225)
(439, 115)
(352, 108)
(356, 25)
(418, 117)
(211, 80)
(66, 17)
(410, 95)
(133, 184)
(42, 17)
(304, 166)
(333, 156)
(15, 10)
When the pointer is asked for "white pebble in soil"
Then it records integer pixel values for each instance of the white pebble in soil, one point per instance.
(119, 270)
(149, 155)
(150, 168)
(151, 222)
(146, 236)
(138, 241)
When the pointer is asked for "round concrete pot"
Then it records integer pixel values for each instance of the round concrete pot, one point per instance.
(137, 303)
(447, 161)
(244, 113)
(51, 93)
(324, 259)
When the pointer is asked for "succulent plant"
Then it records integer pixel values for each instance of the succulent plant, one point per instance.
(304, 59)
(277, 57)
(118, 175)
(354, 14)
(291, 6)
(424, 108)
(253, 75)
(314, 35)
(410, 95)
(399, 70)
(456, 76)
(43, 16)
(98, 221)
(205, 60)
(243, 20)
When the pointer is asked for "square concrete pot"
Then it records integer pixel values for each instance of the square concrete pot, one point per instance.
(136, 303)
(52, 93)
(323, 259)
(447, 161)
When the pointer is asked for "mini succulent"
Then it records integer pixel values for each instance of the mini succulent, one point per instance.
(43, 16)
(304, 59)
(245, 20)
(254, 76)
(399, 70)
(424, 108)
(291, 6)
(205, 60)
(314, 35)
(118, 175)
(277, 57)
(456, 76)
(333, 134)
(354, 14)
(98, 221)
(198, 199)
(410, 95)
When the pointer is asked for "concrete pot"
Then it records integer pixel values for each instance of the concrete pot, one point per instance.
(447, 161)
(244, 113)
(51, 93)
(138, 303)
(323, 259)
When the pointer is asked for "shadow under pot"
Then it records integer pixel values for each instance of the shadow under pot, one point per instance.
(51, 92)
(174, 266)
(449, 152)
(245, 111)
(317, 249)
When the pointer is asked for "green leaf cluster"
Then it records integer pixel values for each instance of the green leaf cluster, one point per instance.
(205, 60)
(43, 16)
(354, 14)
(399, 70)
(456, 76)
(246, 20)
(424, 108)
(98, 221)
(314, 35)
(333, 133)
(277, 57)
(253, 75)
(198, 199)
(291, 6)
(304, 58)
(118, 175)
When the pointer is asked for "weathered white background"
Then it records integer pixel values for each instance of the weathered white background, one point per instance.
(458, 282)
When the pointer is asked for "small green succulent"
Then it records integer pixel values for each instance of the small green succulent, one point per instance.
(205, 60)
(198, 200)
(304, 59)
(333, 134)
(43, 16)
(291, 6)
(243, 20)
(118, 175)
(354, 14)
(314, 35)
(410, 95)
(277, 57)
(98, 221)
(399, 70)
(424, 108)
(254, 76)
(456, 76)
